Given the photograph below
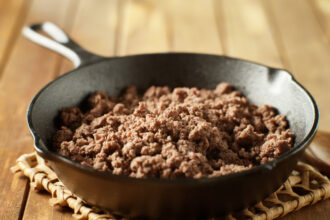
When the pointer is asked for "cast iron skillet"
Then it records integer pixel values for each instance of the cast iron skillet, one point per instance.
(159, 198)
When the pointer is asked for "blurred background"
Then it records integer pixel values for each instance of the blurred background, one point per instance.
(289, 34)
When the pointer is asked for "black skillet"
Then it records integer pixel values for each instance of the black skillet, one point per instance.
(159, 198)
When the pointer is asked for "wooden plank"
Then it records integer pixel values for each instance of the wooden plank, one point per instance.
(28, 69)
(11, 14)
(319, 211)
(134, 26)
(93, 25)
(192, 28)
(251, 34)
(306, 49)
(321, 9)
(94, 28)
(38, 207)
(160, 26)
(143, 28)
(246, 32)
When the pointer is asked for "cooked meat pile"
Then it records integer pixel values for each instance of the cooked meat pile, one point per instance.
(186, 132)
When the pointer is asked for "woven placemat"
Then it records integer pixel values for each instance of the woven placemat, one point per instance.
(304, 187)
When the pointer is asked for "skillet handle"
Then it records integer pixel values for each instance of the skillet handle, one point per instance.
(59, 42)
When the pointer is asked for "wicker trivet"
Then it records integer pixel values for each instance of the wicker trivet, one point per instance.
(305, 186)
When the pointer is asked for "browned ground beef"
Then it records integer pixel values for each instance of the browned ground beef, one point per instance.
(186, 132)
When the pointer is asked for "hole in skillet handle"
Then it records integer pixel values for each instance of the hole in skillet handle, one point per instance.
(58, 41)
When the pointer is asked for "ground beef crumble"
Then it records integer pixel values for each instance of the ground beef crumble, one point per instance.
(185, 132)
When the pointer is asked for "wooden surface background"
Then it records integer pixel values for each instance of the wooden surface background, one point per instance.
(290, 34)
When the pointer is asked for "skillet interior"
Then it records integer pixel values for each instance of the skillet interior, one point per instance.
(260, 84)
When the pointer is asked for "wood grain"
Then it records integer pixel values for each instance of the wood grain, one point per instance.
(187, 29)
(247, 33)
(83, 30)
(38, 207)
(29, 68)
(94, 28)
(143, 28)
(11, 15)
(321, 9)
(318, 152)
(306, 49)
(293, 34)
(159, 26)
(319, 211)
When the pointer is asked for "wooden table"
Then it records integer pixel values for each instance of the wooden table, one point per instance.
(291, 34)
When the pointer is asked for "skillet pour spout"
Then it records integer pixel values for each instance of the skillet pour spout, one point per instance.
(166, 198)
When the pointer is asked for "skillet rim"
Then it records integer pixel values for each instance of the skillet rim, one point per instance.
(266, 167)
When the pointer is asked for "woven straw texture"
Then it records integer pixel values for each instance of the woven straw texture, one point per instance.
(304, 187)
